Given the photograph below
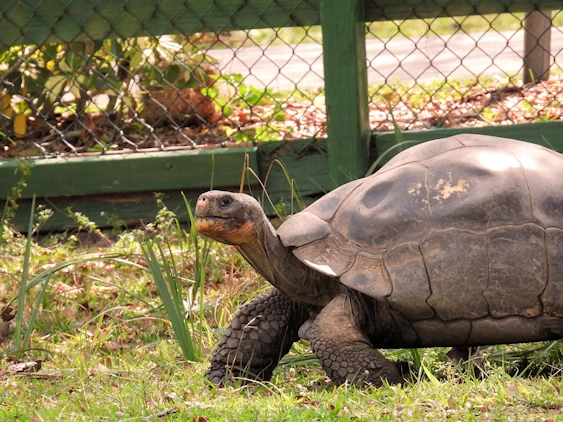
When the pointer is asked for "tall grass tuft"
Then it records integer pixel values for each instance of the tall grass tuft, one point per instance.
(162, 268)
(400, 142)
(164, 275)
(23, 283)
(200, 262)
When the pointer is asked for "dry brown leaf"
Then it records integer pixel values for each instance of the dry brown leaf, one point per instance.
(182, 105)
(24, 367)
(65, 290)
(4, 330)
(8, 314)
(115, 346)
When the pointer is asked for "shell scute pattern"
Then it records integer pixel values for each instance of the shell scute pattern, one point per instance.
(433, 232)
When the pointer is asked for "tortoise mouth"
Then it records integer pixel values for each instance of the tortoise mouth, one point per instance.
(229, 230)
(204, 222)
(210, 217)
(215, 219)
(208, 223)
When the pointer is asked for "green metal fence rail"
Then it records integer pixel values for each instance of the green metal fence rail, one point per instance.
(114, 100)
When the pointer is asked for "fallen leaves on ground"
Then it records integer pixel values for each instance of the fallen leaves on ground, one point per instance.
(475, 106)
(418, 107)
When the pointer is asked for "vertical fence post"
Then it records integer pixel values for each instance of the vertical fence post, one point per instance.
(537, 40)
(346, 90)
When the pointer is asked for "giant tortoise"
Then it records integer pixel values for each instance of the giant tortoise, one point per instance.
(454, 242)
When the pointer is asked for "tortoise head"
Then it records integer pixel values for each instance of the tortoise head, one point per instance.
(231, 218)
(237, 219)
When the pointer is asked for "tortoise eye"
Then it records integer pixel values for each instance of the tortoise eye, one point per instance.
(226, 201)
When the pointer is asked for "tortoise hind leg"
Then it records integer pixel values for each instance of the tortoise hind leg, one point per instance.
(260, 334)
(344, 351)
(461, 354)
(469, 358)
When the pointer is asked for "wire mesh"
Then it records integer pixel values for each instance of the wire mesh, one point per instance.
(106, 90)
(461, 72)
(110, 93)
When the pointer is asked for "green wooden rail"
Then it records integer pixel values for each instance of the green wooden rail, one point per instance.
(40, 21)
(116, 186)
(121, 185)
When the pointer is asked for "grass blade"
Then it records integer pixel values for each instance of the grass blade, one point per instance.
(3, 221)
(23, 282)
(34, 313)
(170, 294)
(384, 154)
(399, 142)
(431, 376)
(39, 278)
(399, 137)
(201, 256)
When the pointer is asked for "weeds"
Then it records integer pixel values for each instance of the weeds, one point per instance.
(200, 262)
(170, 291)
(23, 286)
(163, 271)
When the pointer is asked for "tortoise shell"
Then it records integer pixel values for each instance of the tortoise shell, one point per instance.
(464, 227)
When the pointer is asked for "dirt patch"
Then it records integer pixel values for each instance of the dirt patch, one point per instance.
(188, 119)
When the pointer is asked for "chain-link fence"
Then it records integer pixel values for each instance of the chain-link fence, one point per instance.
(466, 71)
(124, 90)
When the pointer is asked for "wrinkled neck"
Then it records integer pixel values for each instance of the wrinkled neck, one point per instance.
(283, 270)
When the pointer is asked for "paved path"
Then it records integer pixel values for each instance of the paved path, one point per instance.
(283, 67)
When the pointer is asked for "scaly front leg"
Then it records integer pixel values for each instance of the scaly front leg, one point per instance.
(259, 335)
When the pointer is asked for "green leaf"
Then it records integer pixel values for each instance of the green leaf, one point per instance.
(253, 98)
(50, 51)
(94, 81)
(135, 58)
(54, 87)
(72, 59)
(235, 78)
(116, 48)
(227, 110)
(210, 92)
(188, 83)
(201, 258)
(33, 85)
(172, 72)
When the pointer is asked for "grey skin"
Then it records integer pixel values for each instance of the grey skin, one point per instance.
(455, 242)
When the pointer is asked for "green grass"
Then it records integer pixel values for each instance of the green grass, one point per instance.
(449, 26)
(89, 384)
(110, 353)
(389, 29)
